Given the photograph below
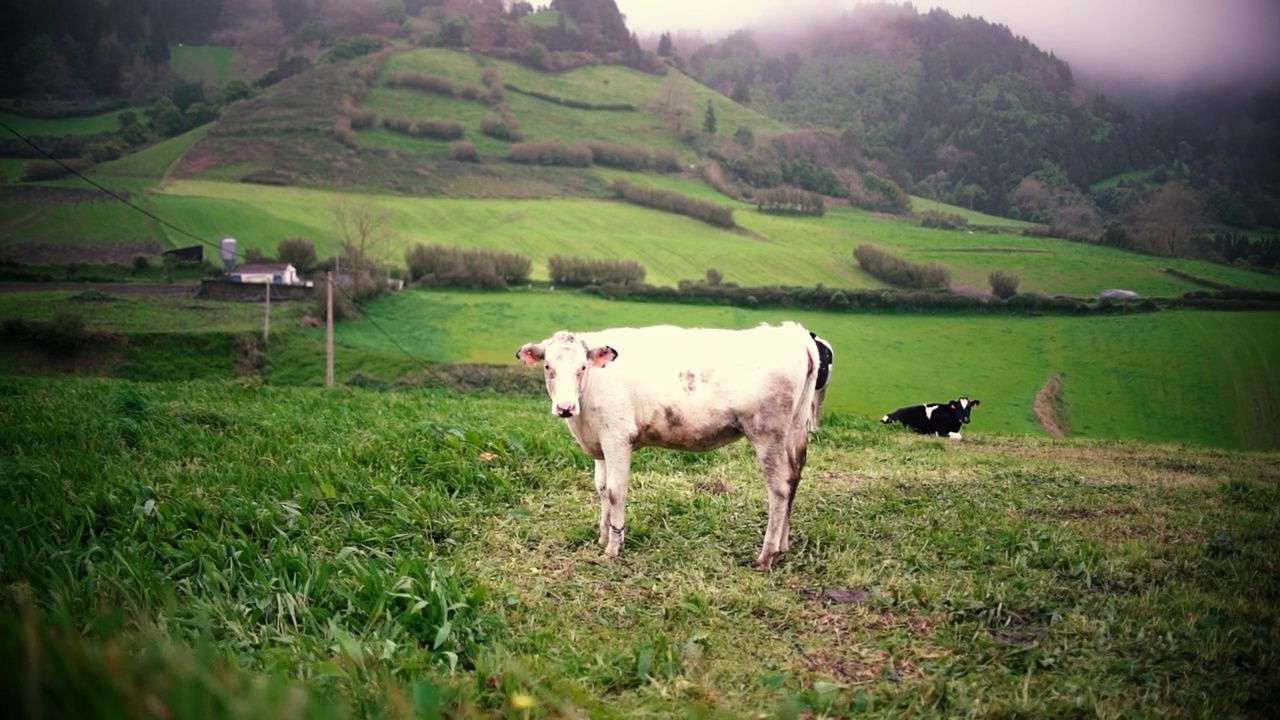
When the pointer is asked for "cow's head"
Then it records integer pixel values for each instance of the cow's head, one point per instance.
(567, 363)
(963, 406)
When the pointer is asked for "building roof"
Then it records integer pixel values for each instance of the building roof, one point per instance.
(260, 268)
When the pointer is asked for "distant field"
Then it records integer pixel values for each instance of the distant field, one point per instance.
(920, 204)
(1141, 174)
(144, 169)
(205, 63)
(783, 250)
(543, 120)
(1121, 378)
(67, 126)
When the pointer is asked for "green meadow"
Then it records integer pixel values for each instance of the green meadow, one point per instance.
(228, 549)
(1123, 376)
(205, 63)
(57, 127)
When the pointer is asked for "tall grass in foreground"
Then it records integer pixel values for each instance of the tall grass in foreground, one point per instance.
(230, 549)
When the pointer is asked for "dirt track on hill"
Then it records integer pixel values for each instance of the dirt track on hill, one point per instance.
(131, 288)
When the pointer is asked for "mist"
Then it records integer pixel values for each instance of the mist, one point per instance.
(1162, 45)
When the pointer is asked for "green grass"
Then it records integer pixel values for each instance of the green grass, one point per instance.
(1122, 378)
(138, 313)
(394, 552)
(973, 217)
(1140, 174)
(782, 250)
(57, 127)
(206, 64)
(543, 120)
(146, 168)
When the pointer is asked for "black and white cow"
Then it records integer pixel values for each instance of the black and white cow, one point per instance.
(942, 419)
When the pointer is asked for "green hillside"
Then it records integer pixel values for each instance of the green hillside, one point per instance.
(206, 63)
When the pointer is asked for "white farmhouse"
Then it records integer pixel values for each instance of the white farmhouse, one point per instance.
(274, 273)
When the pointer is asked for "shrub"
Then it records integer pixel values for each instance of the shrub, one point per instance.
(623, 157)
(1003, 285)
(343, 132)
(445, 265)
(944, 221)
(298, 252)
(670, 201)
(463, 150)
(550, 152)
(38, 170)
(901, 273)
(438, 129)
(790, 201)
(425, 82)
(354, 47)
(501, 128)
(578, 272)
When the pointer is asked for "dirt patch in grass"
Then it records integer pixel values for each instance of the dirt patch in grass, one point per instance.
(1050, 408)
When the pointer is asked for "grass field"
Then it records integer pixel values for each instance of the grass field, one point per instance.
(973, 217)
(57, 127)
(780, 250)
(206, 63)
(1121, 379)
(335, 553)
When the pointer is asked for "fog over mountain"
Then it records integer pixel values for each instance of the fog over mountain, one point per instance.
(1162, 44)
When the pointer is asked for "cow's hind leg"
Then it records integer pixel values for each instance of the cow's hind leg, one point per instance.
(798, 457)
(781, 477)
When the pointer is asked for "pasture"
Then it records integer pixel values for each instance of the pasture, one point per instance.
(206, 64)
(57, 127)
(391, 554)
(774, 250)
(1121, 380)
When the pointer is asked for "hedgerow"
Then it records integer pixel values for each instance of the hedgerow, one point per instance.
(898, 272)
(550, 152)
(671, 201)
(578, 272)
(440, 265)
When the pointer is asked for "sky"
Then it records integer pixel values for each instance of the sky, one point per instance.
(1169, 43)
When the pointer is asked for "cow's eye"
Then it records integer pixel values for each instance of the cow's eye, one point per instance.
(551, 373)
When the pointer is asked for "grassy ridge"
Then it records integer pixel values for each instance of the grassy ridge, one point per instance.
(1119, 375)
(369, 543)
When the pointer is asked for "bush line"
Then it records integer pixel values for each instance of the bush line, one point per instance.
(670, 201)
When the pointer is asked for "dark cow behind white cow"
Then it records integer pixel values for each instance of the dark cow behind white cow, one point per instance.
(942, 419)
(688, 389)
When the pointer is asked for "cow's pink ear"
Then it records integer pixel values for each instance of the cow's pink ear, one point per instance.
(975, 403)
(602, 355)
(952, 404)
(529, 354)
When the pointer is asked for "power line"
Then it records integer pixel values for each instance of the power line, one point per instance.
(184, 231)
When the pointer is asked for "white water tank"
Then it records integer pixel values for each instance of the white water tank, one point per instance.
(228, 250)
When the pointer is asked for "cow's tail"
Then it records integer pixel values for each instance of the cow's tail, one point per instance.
(808, 408)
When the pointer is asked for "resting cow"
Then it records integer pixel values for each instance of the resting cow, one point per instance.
(942, 419)
(688, 389)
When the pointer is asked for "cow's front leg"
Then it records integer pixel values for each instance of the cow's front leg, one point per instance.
(602, 492)
(617, 462)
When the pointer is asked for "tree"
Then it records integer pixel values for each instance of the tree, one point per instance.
(709, 120)
(298, 252)
(365, 233)
(1168, 220)
(665, 45)
(671, 101)
(166, 119)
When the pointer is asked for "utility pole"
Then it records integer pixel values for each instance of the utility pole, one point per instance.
(328, 333)
(266, 316)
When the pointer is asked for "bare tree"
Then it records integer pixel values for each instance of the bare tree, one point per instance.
(1168, 219)
(365, 233)
(672, 102)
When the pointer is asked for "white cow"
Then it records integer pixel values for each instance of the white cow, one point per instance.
(688, 389)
